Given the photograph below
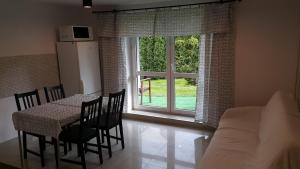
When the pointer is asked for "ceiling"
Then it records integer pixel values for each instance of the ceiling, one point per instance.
(126, 3)
(105, 2)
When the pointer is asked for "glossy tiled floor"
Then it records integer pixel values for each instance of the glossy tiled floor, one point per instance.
(147, 146)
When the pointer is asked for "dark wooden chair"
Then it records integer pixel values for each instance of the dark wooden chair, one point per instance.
(54, 93)
(112, 117)
(83, 133)
(29, 100)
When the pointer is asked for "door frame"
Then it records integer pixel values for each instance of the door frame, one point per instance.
(170, 76)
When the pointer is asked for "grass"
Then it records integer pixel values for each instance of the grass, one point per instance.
(185, 94)
(159, 88)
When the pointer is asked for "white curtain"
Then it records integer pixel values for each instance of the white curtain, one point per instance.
(213, 22)
(190, 20)
(297, 87)
(216, 77)
(203, 77)
(114, 71)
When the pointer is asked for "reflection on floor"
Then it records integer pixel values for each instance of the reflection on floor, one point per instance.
(147, 146)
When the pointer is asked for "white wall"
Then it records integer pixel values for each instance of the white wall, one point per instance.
(267, 47)
(7, 106)
(29, 28)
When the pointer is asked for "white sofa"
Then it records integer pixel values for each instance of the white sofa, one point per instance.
(257, 137)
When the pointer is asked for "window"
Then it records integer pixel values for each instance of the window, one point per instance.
(165, 74)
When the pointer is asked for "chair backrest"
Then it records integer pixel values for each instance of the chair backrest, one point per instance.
(115, 107)
(54, 93)
(29, 99)
(90, 112)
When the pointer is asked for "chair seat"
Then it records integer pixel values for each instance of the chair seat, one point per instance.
(103, 123)
(73, 134)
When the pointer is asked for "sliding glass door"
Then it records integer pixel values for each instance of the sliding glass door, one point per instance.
(184, 64)
(151, 74)
(165, 71)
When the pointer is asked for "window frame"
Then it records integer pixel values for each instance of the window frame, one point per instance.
(170, 76)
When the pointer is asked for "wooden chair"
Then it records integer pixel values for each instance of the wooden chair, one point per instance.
(56, 93)
(143, 89)
(111, 118)
(28, 102)
(82, 133)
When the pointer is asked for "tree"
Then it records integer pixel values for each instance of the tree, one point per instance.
(153, 54)
(187, 55)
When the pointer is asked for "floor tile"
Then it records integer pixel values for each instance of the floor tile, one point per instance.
(147, 146)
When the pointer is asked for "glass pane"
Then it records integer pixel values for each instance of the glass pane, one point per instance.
(185, 94)
(152, 54)
(187, 53)
(152, 91)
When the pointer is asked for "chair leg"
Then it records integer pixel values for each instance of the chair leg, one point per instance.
(108, 143)
(117, 134)
(85, 147)
(44, 142)
(69, 143)
(25, 145)
(102, 136)
(99, 149)
(65, 148)
(70, 146)
(41, 144)
(78, 150)
(122, 135)
(55, 152)
(82, 155)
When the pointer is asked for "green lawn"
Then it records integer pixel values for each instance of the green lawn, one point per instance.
(185, 94)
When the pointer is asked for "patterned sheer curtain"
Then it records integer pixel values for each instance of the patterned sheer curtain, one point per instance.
(191, 20)
(213, 22)
(113, 59)
(114, 74)
(216, 77)
(297, 87)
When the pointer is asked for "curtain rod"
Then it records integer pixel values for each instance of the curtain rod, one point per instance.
(163, 7)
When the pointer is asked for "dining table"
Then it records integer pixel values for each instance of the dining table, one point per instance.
(49, 119)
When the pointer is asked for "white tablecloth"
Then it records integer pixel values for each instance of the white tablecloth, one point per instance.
(48, 119)
(75, 100)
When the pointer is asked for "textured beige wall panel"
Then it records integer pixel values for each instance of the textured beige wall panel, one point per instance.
(24, 73)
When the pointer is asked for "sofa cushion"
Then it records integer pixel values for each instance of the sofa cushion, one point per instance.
(276, 109)
(278, 133)
(229, 149)
(234, 142)
(280, 150)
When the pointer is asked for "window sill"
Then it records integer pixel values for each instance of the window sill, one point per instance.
(168, 119)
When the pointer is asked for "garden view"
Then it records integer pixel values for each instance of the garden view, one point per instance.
(153, 58)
